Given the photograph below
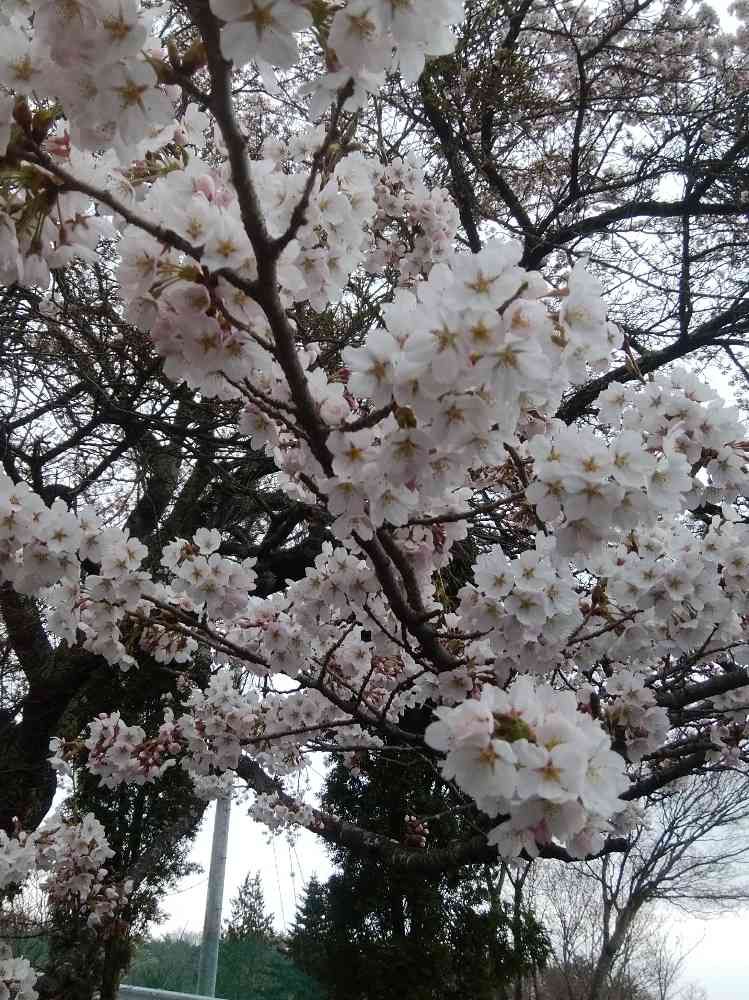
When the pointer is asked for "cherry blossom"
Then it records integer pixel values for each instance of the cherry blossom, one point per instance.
(544, 669)
(261, 28)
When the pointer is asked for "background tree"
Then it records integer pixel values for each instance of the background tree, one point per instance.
(665, 961)
(603, 916)
(248, 967)
(648, 966)
(249, 918)
(309, 938)
(369, 934)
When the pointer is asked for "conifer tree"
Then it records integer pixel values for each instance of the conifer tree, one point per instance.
(366, 936)
(249, 918)
(310, 935)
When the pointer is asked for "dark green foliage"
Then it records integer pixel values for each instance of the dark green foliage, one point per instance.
(372, 933)
(312, 936)
(444, 942)
(34, 948)
(167, 963)
(248, 969)
(248, 916)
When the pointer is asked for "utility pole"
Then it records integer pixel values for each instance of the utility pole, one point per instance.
(208, 964)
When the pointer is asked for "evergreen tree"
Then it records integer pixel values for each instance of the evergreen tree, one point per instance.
(248, 915)
(368, 936)
(310, 935)
(248, 969)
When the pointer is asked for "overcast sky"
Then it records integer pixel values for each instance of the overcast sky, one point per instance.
(284, 868)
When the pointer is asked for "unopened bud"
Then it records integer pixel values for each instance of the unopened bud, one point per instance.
(405, 417)
(22, 114)
(164, 72)
(194, 59)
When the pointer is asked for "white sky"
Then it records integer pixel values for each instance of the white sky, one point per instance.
(720, 960)
(284, 870)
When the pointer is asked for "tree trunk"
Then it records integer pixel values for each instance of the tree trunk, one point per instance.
(611, 949)
(117, 955)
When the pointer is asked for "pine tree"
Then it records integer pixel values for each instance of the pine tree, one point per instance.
(366, 935)
(309, 937)
(249, 918)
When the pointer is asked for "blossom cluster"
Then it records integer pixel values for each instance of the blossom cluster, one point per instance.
(118, 753)
(522, 614)
(633, 716)
(93, 54)
(415, 225)
(208, 739)
(531, 599)
(441, 411)
(682, 414)
(214, 335)
(365, 39)
(211, 583)
(17, 858)
(277, 816)
(99, 59)
(42, 549)
(528, 754)
(108, 70)
(72, 855)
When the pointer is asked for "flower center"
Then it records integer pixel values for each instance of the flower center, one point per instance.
(511, 728)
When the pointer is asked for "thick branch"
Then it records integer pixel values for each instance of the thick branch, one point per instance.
(704, 336)
(334, 830)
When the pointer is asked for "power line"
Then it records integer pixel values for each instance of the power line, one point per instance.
(278, 886)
